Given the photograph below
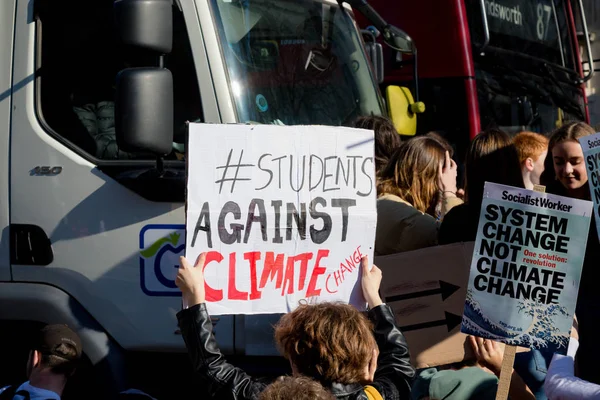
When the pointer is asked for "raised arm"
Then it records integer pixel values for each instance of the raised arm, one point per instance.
(394, 373)
(222, 380)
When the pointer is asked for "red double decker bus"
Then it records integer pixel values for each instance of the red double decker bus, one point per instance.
(512, 64)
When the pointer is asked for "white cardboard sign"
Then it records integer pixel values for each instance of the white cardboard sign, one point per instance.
(591, 152)
(284, 212)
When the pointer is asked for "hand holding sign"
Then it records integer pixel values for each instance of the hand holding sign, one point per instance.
(190, 280)
(489, 353)
(370, 282)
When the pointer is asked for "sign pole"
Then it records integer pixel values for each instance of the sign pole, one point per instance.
(506, 372)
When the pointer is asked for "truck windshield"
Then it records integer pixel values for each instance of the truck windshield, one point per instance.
(295, 62)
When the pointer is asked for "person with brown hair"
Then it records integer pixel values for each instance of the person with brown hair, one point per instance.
(437, 209)
(441, 140)
(408, 188)
(336, 345)
(387, 138)
(491, 157)
(318, 352)
(566, 175)
(532, 149)
(295, 388)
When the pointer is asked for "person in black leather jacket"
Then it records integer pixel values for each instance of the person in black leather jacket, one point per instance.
(389, 372)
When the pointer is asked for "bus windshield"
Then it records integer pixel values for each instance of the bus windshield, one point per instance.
(535, 28)
(295, 62)
(527, 75)
(516, 102)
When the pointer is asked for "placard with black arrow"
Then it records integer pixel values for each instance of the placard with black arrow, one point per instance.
(426, 288)
(445, 290)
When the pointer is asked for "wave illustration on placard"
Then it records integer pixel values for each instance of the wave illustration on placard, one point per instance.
(540, 334)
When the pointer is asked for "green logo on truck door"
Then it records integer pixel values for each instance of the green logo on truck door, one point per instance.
(160, 248)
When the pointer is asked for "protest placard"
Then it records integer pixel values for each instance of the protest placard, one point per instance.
(526, 267)
(428, 297)
(284, 214)
(591, 152)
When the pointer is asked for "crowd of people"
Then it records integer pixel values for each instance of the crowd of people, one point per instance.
(337, 352)
(419, 206)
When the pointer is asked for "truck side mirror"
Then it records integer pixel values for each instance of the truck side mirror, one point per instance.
(145, 24)
(144, 110)
(375, 53)
(403, 110)
(398, 40)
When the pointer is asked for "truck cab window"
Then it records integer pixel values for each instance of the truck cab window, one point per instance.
(294, 62)
(79, 56)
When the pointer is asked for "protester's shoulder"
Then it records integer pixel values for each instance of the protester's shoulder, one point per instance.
(455, 216)
(401, 227)
(456, 225)
(457, 213)
(7, 392)
(36, 392)
(393, 209)
(390, 200)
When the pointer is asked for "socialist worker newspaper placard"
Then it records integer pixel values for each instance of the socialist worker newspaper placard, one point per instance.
(285, 214)
(591, 152)
(526, 267)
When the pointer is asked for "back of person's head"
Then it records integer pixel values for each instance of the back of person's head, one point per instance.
(329, 342)
(295, 388)
(442, 140)
(412, 172)
(530, 145)
(387, 139)
(59, 348)
(571, 131)
(491, 157)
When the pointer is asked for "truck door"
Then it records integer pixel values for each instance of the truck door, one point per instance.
(98, 226)
(7, 16)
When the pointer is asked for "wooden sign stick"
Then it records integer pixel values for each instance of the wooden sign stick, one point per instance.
(506, 372)
(509, 351)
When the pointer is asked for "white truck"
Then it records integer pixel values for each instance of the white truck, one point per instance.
(92, 202)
